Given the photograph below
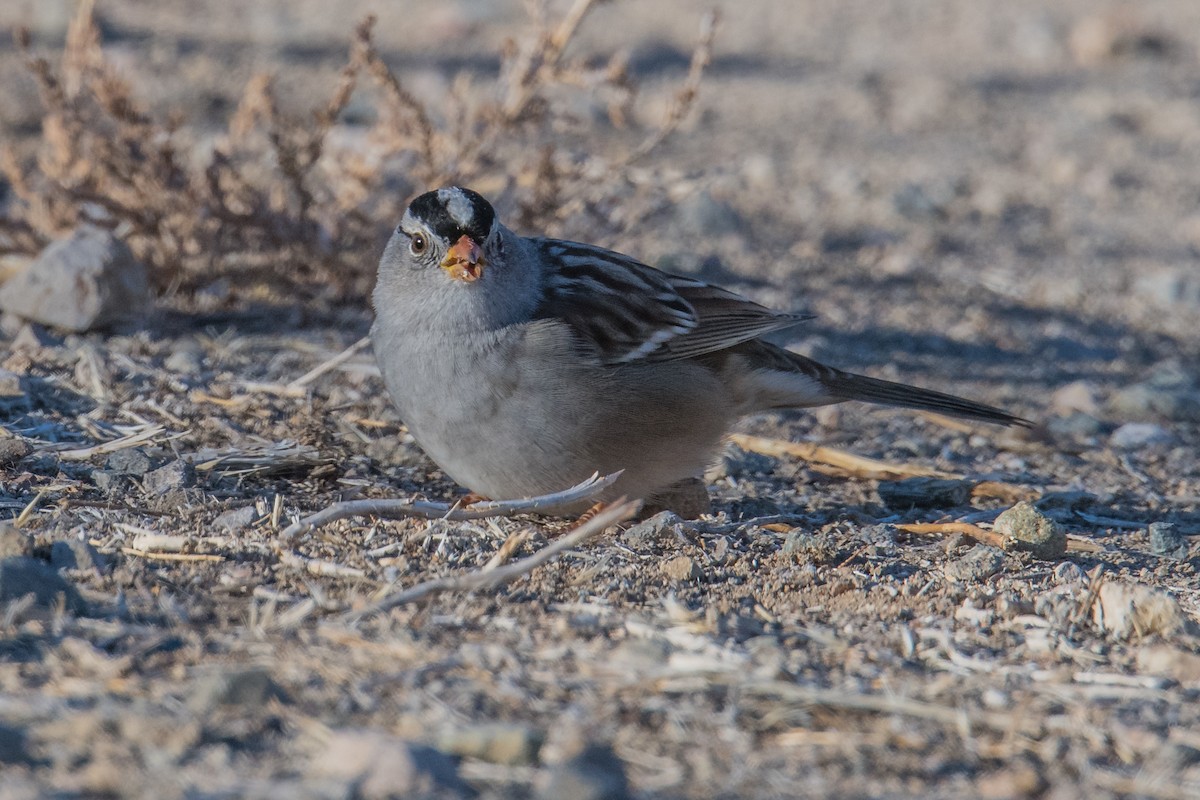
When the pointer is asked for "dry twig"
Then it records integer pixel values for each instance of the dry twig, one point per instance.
(490, 578)
(852, 465)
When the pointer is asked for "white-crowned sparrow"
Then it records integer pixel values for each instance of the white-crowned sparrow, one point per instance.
(523, 365)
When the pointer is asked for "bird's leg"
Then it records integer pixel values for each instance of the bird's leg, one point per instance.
(471, 498)
(592, 511)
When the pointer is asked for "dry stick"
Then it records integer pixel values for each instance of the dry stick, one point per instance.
(133, 440)
(486, 579)
(685, 98)
(984, 536)
(336, 361)
(859, 465)
(965, 528)
(398, 509)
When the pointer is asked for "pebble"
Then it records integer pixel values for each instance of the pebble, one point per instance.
(235, 519)
(88, 280)
(594, 774)
(130, 461)
(801, 543)
(107, 481)
(510, 744)
(1031, 530)
(12, 450)
(1132, 609)
(1138, 435)
(21, 575)
(1068, 572)
(1166, 540)
(651, 533)
(179, 474)
(382, 766)
(980, 563)
(681, 568)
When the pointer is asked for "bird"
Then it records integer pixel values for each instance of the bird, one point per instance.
(522, 365)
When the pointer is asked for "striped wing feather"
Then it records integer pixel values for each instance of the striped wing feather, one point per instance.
(623, 310)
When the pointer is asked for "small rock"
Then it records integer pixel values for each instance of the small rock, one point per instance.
(594, 774)
(12, 450)
(1031, 530)
(1068, 572)
(21, 575)
(1132, 609)
(980, 563)
(1076, 397)
(76, 554)
(179, 474)
(235, 519)
(1166, 541)
(924, 493)
(14, 541)
(88, 280)
(1137, 435)
(650, 533)
(383, 766)
(510, 744)
(130, 461)
(246, 687)
(816, 549)
(107, 481)
(681, 568)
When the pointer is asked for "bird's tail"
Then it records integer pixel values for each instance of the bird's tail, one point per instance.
(801, 382)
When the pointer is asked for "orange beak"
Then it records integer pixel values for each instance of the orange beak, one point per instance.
(464, 262)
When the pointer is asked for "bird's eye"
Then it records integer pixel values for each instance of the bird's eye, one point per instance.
(417, 243)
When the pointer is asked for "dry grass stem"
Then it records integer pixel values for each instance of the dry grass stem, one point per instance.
(485, 578)
(276, 197)
(332, 363)
(850, 464)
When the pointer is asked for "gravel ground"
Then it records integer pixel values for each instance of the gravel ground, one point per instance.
(994, 199)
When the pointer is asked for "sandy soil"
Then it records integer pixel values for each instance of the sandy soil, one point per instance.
(994, 199)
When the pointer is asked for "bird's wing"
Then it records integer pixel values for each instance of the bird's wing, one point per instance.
(622, 310)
